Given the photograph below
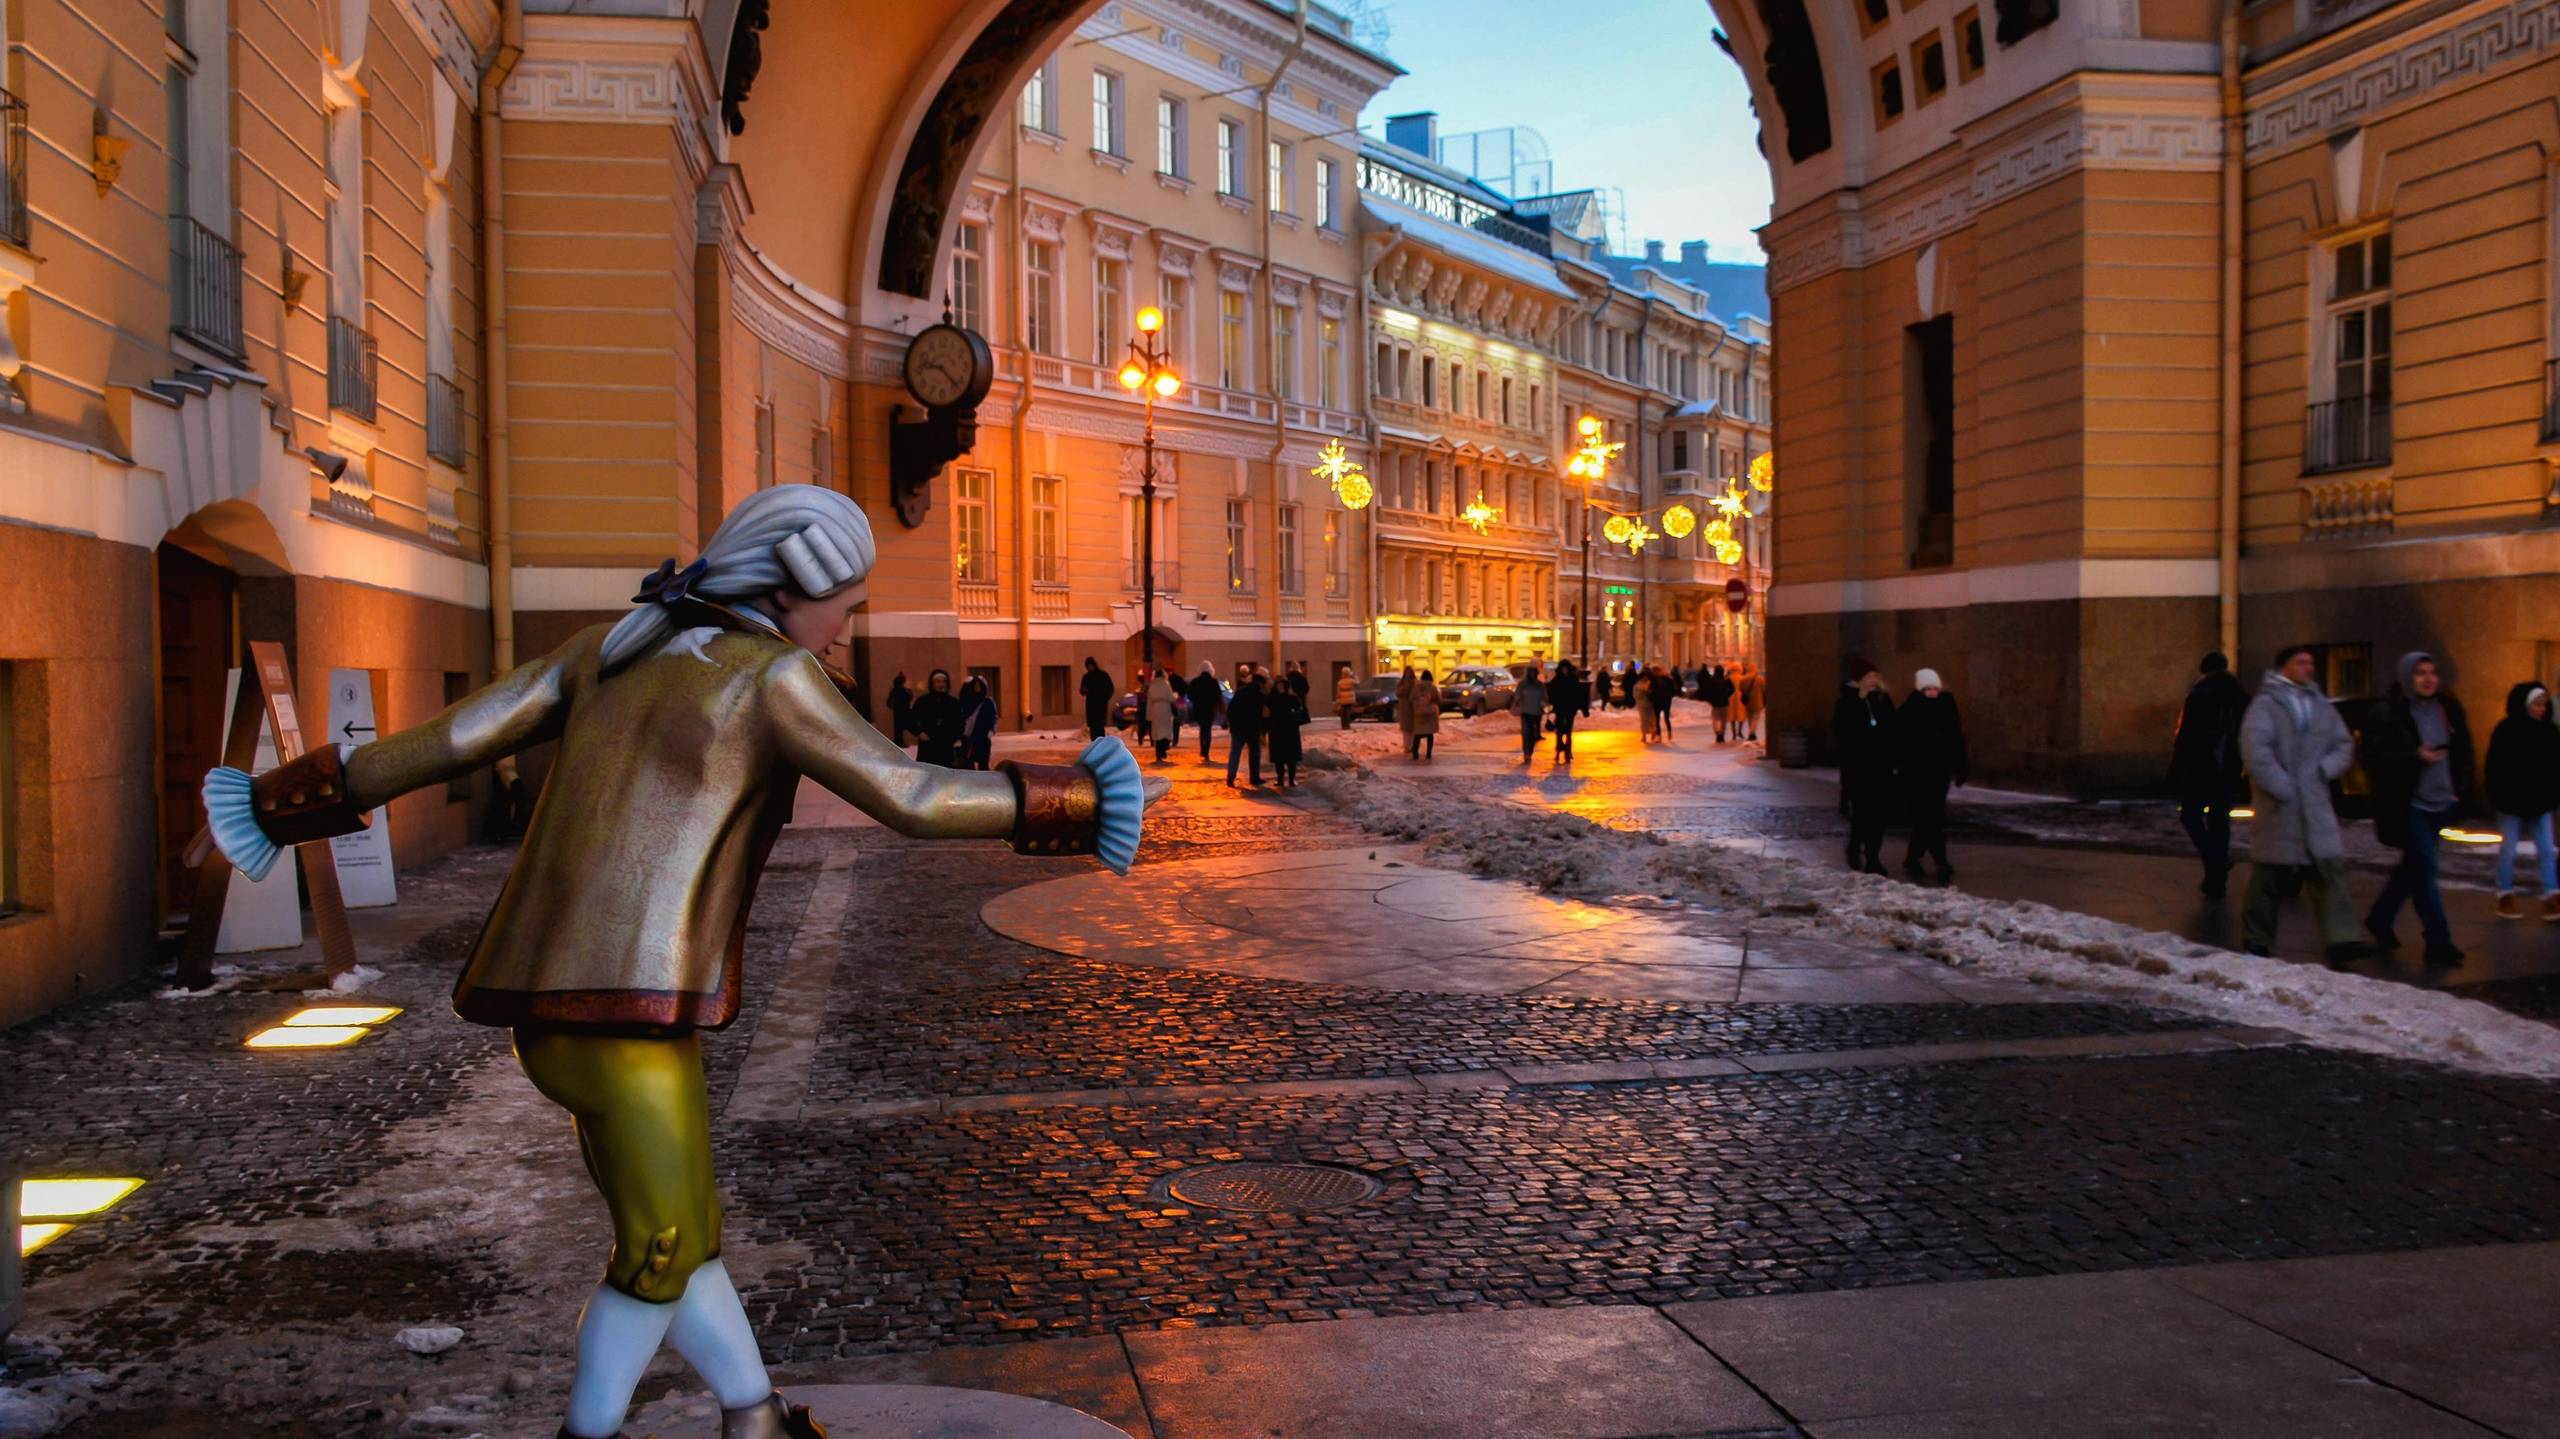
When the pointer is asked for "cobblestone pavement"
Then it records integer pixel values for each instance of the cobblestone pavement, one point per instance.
(300, 1209)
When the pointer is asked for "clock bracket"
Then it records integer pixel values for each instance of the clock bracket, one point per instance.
(921, 443)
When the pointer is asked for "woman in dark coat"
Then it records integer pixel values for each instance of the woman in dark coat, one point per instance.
(2205, 767)
(1098, 692)
(1282, 719)
(2523, 789)
(1862, 732)
(1660, 690)
(935, 719)
(978, 724)
(1928, 736)
(902, 702)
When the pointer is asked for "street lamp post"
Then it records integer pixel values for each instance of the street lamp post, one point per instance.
(1590, 464)
(1149, 372)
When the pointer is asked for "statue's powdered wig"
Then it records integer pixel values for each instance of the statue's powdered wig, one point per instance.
(810, 540)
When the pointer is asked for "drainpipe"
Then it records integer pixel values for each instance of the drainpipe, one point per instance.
(1271, 330)
(2234, 139)
(1021, 435)
(1370, 663)
(494, 71)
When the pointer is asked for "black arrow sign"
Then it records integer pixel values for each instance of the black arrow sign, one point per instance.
(350, 727)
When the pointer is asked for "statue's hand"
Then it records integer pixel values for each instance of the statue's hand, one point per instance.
(1157, 788)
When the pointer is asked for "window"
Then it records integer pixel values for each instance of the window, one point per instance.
(2021, 18)
(1968, 44)
(1041, 260)
(1172, 150)
(1110, 286)
(1430, 382)
(1276, 189)
(1873, 14)
(1230, 158)
(1324, 194)
(1537, 407)
(2351, 427)
(1176, 304)
(969, 278)
(1057, 690)
(1481, 411)
(1929, 440)
(972, 533)
(1290, 582)
(1679, 449)
(1048, 530)
(1040, 100)
(1239, 575)
(1929, 65)
(1333, 552)
(1284, 351)
(346, 213)
(1382, 380)
(1888, 92)
(1232, 340)
(1329, 363)
(1109, 134)
(1506, 400)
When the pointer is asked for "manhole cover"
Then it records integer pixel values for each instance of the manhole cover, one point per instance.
(1255, 1188)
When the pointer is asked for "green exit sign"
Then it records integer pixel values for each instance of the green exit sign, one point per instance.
(1617, 589)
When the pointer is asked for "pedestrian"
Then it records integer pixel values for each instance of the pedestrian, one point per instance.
(1748, 693)
(1426, 715)
(1404, 709)
(1569, 696)
(1248, 715)
(1286, 723)
(1099, 692)
(2205, 770)
(1717, 689)
(1346, 697)
(935, 718)
(901, 703)
(1662, 689)
(2295, 745)
(1164, 717)
(2523, 785)
(1862, 730)
(978, 724)
(1639, 685)
(1207, 700)
(2419, 757)
(1299, 684)
(1529, 699)
(1928, 736)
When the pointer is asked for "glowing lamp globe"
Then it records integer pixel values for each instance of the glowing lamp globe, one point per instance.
(1168, 384)
(1618, 529)
(1590, 426)
(1719, 533)
(1132, 378)
(1578, 468)
(1356, 491)
(1150, 320)
(1729, 553)
(1764, 473)
(1678, 521)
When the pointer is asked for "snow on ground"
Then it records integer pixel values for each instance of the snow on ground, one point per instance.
(2090, 957)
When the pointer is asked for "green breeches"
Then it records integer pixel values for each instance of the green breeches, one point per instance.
(644, 1128)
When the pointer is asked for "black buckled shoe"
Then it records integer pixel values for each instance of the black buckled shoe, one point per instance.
(775, 1418)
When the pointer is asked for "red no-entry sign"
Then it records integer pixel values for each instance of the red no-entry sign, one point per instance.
(1737, 596)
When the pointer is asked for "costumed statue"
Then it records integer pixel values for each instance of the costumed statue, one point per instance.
(684, 731)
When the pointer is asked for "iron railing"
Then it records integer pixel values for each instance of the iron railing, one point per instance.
(2551, 399)
(2347, 434)
(205, 287)
(1168, 576)
(13, 169)
(1240, 583)
(352, 368)
(444, 420)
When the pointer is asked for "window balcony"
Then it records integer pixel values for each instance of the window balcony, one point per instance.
(353, 366)
(204, 286)
(2349, 434)
(1168, 576)
(13, 170)
(444, 421)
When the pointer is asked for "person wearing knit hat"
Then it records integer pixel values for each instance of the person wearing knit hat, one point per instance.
(1862, 731)
(1928, 737)
(2204, 767)
(2523, 789)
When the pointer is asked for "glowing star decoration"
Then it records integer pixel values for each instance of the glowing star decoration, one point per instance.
(1336, 468)
(1678, 521)
(1480, 515)
(1639, 535)
(1618, 530)
(1764, 473)
(1731, 504)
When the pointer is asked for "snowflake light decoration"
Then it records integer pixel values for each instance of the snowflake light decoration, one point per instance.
(1336, 468)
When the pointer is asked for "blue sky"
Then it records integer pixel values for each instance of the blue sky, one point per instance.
(1628, 93)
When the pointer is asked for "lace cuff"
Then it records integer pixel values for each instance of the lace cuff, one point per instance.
(1123, 808)
(233, 817)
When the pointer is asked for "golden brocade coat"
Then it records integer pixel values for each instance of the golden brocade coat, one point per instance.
(627, 906)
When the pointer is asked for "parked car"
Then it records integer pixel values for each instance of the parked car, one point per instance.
(1375, 698)
(1477, 689)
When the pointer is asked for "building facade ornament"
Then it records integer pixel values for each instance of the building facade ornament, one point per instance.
(2465, 50)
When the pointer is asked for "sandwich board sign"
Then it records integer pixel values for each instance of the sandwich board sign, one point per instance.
(364, 858)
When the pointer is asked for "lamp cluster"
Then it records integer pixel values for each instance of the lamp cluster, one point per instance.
(1148, 367)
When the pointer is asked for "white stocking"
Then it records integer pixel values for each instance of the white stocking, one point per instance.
(617, 1337)
(711, 1332)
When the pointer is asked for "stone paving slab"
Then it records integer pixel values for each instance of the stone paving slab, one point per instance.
(1521, 1374)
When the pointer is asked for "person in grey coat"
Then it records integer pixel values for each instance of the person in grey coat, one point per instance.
(2296, 744)
(1529, 702)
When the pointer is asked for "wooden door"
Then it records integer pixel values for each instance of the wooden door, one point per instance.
(195, 665)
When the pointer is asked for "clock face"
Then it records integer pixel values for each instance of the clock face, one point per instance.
(943, 366)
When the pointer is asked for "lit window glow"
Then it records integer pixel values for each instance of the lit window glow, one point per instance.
(331, 1016)
(32, 1237)
(289, 1036)
(71, 1198)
